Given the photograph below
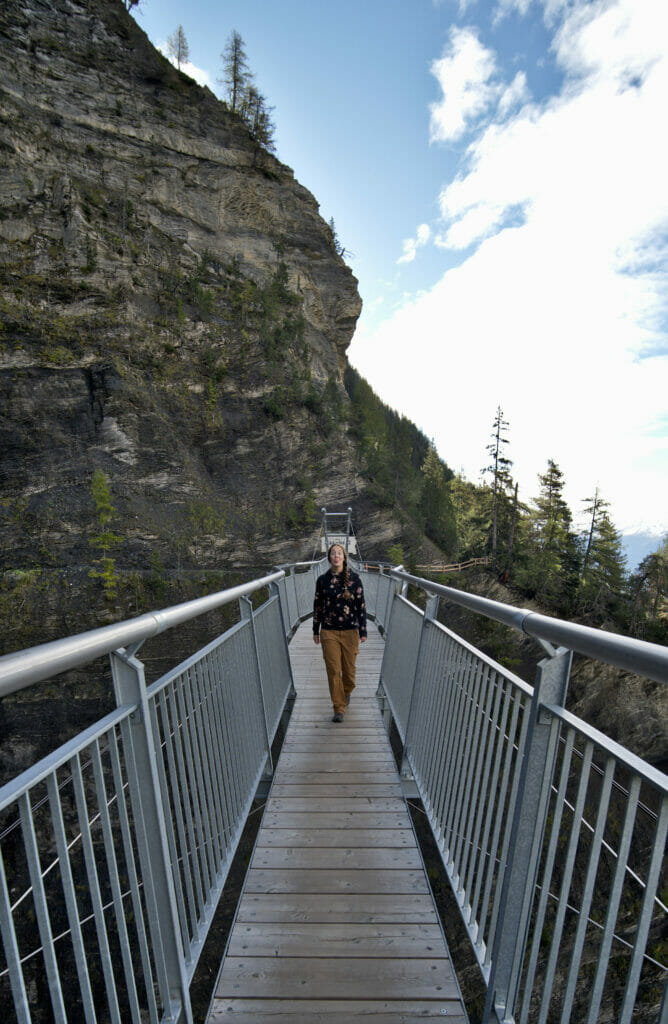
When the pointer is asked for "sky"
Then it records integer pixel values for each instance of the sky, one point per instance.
(497, 171)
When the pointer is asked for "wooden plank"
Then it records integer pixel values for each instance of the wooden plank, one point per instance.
(359, 778)
(336, 940)
(323, 881)
(292, 789)
(320, 819)
(323, 1011)
(325, 837)
(334, 804)
(336, 858)
(313, 978)
(335, 762)
(360, 908)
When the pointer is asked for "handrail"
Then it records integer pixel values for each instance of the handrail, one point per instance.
(22, 668)
(634, 655)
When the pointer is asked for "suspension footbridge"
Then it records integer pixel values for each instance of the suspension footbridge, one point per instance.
(115, 849)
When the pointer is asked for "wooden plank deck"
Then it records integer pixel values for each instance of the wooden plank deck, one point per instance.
(336, 921)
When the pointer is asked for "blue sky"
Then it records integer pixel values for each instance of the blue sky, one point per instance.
(497, 171)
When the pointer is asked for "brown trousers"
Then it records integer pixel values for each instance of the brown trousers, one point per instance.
(339, 649)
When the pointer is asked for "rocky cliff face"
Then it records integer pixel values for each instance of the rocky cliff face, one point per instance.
(174, 312)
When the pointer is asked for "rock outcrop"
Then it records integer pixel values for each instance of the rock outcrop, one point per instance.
(174, 312)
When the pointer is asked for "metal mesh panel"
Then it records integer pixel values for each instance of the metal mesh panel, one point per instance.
(74, 893)
(305, 587)
(597, 928)
(370, 584)
(386, 590)
(274, 663)
(213, 747)
(293, 610)
(466, 731)
(400, 660)
(283, 595)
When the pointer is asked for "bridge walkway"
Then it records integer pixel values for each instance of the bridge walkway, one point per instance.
(336, 921)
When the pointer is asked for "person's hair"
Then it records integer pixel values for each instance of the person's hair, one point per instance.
(346, 570)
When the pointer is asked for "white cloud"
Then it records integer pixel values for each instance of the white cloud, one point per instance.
(411, 245)
(463, 73)
(548, 317)
(516, 94)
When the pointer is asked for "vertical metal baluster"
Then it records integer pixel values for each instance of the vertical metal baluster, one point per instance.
(177, 838)
(587, 895)
(246, 608)
(133, 877)
(213, 759)
(94, 888)
(115, 883)
(488, 846)
(614, 899)
(645, 919)
(490, 717)
(11, 949)
(430, 722)
(225, 779)
(496, 864)
(191, 794)
(450, 771)
(567, 868)
(469, 755)
(417, 684)
(443, 716)
(41, 907)
(69, 892)
(191, 857)
(203, 774)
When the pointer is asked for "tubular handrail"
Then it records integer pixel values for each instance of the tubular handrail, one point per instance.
(23, 668)
(624, 652)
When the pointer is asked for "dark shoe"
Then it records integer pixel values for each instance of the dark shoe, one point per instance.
(347, 699)
(338, 717)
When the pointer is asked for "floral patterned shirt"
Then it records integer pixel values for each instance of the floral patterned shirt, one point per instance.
(338, 607)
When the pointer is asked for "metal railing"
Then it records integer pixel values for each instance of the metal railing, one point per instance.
(115, 848)
(551, 834)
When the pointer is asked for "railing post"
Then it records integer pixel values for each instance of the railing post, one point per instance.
(273, 589)
(527, 831)
(145, 794)
(388, 607)
(407, 778)
(247, 614)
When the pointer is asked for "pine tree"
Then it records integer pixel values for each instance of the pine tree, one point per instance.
(552, 570)
(435, 503)
(648, 597)
(257, 116)
(471, 509)
(177, 47)
(237, 76)
(500, 470)
(602, 574)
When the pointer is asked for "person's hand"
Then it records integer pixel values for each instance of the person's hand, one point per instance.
(362, 639)
(316, 638)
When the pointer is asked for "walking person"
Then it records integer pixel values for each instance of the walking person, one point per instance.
(339, 626)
